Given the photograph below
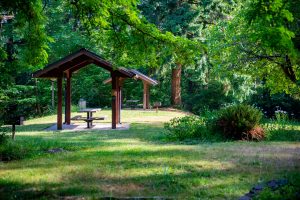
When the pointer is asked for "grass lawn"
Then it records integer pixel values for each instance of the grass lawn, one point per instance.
(139, 162)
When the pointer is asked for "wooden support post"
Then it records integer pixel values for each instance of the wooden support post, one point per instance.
(59, 103)
(120, 103)
(146, 96)
(68, 100)
(52, 95)
(114, 101)
(120, 85)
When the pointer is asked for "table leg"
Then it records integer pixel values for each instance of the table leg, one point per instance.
(87, 117)
(91, 115)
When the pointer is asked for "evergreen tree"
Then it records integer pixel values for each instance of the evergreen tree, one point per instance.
(187, 19)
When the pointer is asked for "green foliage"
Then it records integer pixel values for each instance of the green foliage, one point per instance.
(29, 27)
(261, 39)
(286, 192)
(270, 103)
(98, 94)
(126, 36)
(281, 116)
(29, 100)
(254, 37)
(218, 93)
(188, 127)
(213, 96)
(282, 128)
(239, 122)
(3, 136)
(12, 150)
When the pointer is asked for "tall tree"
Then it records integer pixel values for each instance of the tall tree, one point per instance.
(23, 47)
(178, 17)
(187, 19)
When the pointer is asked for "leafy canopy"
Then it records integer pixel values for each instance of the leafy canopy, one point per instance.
(260, 38)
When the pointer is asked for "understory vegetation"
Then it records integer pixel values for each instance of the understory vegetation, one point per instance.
(238, 122)
(290, 191)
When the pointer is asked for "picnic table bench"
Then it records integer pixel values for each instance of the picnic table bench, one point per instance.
(89, 118)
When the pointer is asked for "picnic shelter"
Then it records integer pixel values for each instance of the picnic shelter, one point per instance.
(65, 67)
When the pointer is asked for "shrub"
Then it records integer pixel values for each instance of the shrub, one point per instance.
(12, 150)
(187, 127)
(240, 122)
(3, 136)
(284, 193)
(282, 129)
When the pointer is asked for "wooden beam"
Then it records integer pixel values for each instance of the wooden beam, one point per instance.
(59, 103)
(68, 99)
(80, 65)
(146, 96)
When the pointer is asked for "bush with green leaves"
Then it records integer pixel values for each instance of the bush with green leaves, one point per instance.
(12, 150)
(281, 128)
(288, 192)
(188, 127)
(3, 134)
(272, 103)
(240, 122)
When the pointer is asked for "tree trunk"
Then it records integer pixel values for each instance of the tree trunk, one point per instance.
(176, 88)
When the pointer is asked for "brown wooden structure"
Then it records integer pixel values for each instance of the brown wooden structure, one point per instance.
(147, 82)
(65, 67)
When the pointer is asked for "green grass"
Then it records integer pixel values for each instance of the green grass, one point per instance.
(140, 163)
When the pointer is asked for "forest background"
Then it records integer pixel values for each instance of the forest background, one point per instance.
(205, 54)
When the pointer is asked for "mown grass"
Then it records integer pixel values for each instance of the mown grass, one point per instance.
(140, 162)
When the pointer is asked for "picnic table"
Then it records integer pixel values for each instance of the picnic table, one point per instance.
(89, 115)
(132, 103)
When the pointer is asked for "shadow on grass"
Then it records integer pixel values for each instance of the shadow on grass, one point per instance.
(156, 172)
(95, 185)
(133, 163)
(33, 127)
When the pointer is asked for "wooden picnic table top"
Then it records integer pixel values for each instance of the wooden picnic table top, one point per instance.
(90, 110)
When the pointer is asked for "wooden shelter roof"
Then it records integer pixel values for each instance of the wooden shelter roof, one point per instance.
(138, 75)
(76, 61)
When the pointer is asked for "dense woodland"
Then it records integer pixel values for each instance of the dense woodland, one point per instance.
(205, 54)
